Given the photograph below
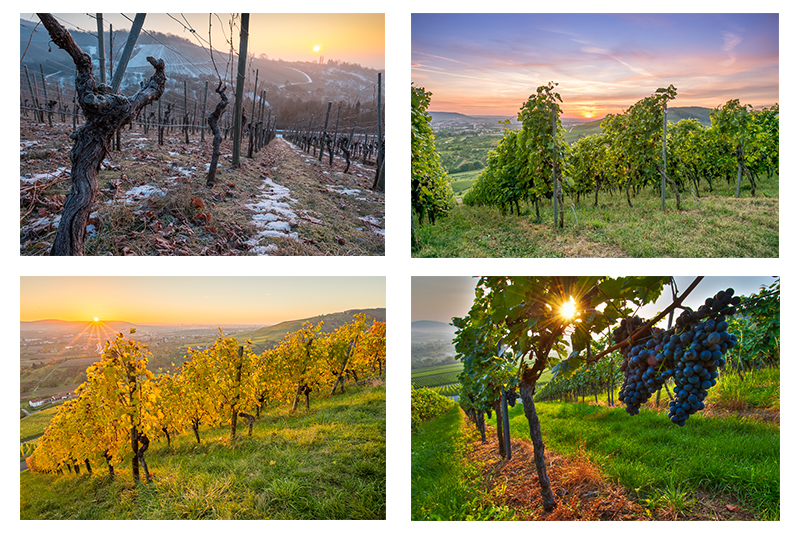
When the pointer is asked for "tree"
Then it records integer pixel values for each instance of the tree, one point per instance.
(105, 114)
(588, 165)
(527, 164)
(488, 369)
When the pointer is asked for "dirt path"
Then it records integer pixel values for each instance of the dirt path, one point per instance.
(306, 207)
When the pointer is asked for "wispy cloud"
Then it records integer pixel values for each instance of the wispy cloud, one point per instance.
(730, 42)
(601, 51)
(609, 62)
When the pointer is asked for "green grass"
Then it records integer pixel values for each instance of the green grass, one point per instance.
(325, 463)
(445, 486)
(656, 459)
(32, 426)
(749, 390)
(437, 376)
(582, 130)
(714, 225)
(463, 181)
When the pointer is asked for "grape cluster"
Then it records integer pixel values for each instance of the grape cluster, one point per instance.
(640, 364)
(691, 353)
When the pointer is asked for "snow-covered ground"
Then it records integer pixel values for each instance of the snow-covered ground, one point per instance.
(273, 215)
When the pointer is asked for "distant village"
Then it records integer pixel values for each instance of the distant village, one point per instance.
(38, 402)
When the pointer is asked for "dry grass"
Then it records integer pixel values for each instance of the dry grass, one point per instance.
(153, 199)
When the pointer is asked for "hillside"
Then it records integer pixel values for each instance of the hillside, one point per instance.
(431, 343)
(674, 114)
(186, 60)
(327, 462)
(54, 359)
(264, 337)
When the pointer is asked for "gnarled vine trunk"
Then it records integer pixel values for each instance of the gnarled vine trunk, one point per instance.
(105, 113)
(250, 421)
(213, 120)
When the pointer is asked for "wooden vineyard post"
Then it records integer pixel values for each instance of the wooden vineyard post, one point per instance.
(253, 121)
(555, 181)
(324, 132)
(185, 113)
(136, 27)
(237, 106)
(335, 134)
(237, 384)
(46, 99)
(308, 135)
(664, 160)
(34, 99)
(506, 429)
(739, 168)
(101, 46)
(205, 102)
(379, 168)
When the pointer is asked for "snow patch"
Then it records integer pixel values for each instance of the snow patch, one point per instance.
(142, 192)
(374, 224)
(341, 189)
(60, 171)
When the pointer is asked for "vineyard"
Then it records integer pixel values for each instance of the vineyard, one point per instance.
(697, 435)
(179, 169)
(327, 462)
(124, 408)
(629, 191)
(439, 376)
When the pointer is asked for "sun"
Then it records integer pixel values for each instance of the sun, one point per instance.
(96, 320)
(569, 309)
(317, 48)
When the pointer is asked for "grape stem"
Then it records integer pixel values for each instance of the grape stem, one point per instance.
(631, 339)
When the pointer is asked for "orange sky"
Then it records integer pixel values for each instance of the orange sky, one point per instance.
(350, 37)
(195, 300)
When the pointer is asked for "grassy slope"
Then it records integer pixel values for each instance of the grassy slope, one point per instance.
(717, 225)
(327, 463)
(444, 486)
(33, 426)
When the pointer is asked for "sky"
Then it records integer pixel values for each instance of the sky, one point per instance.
(489, 64)
(213, 301)
(349, 37)
(441, 298)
